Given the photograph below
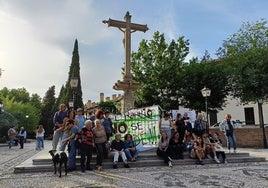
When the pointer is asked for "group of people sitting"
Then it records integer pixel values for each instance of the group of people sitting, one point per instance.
(95, 137)
(179, 136)
(84, 136)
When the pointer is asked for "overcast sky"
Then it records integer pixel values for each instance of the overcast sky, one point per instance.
(37, 36)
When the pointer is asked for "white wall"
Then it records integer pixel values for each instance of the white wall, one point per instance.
(236, 109)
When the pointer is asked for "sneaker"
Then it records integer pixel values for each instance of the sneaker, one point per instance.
(217, 160)
(201, 162)
(169, 158)
(235, 151)
(115, 166)
(100, 168)
(169, 164)
(225, 162)
(126, 166)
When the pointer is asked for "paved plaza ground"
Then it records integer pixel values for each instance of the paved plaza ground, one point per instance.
(251, 175)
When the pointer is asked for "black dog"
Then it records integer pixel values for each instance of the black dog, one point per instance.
(59, 158)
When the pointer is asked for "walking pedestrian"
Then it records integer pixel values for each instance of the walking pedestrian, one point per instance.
(40, 133)
(12, 133)
(22, 137)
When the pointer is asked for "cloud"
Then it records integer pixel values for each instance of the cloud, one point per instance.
(37, 37)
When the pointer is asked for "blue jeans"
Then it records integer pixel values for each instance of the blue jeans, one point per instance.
(228, 140)
(72, 155)
(63, 145)
(11, 142)
(40, 142)
(130, 154)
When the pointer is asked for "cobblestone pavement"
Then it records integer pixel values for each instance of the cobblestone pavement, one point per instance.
(213, 175)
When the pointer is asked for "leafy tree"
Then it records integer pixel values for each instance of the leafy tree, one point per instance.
(159, 64)
(35, 101)
(247, 61)
(18, 103)
(6, 120)
(108, 106)
(19, 110)
(19, 95)
(196, 75)
(48, 110)
(60, 99)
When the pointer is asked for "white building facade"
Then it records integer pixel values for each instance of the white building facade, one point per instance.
(249, 113)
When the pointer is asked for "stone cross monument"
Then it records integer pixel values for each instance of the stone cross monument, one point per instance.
(127, 85)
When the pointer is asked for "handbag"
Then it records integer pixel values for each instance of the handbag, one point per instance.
(218, 147)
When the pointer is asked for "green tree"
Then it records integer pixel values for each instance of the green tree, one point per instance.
(6, 120)
(35, 101)
(108, 106)
(20, 110)
(247, 61)
(19, 104)
(159, 64)
(19, 95)
(48, 110)
(74, 72)
(60, 99)
(196, 75)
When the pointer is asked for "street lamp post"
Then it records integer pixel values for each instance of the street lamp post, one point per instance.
(74, 84)
(260, 102)
(27, 116)
(206, 93)
(1, 107)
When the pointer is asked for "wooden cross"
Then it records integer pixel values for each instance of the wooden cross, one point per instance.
(127, 28)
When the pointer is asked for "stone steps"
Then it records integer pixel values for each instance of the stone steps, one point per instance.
(42, 162)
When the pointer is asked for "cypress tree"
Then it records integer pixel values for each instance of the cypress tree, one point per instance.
(74, 71)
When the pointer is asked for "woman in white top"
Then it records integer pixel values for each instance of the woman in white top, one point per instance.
(40, 133)
(165, 125)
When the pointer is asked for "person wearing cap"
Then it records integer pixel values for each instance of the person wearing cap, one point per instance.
(80, 118)
(117, 146)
